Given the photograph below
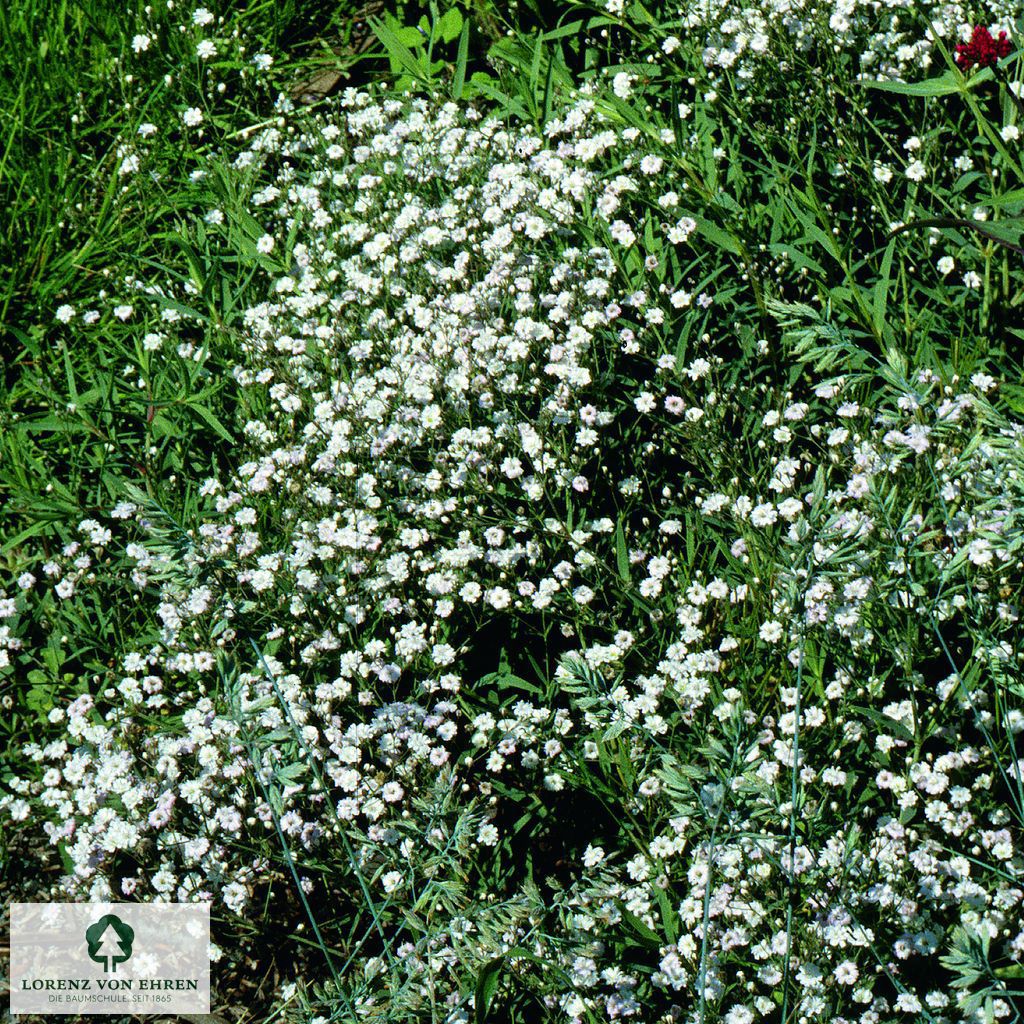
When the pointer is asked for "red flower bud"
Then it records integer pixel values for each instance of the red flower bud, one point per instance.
(982, 51)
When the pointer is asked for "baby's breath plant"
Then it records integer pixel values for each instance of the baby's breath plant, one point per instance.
(606, 601)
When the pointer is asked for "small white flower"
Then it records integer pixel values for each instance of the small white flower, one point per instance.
(916, 171)
(592, 856)
(201, 16)
(65, 314)
(622, 85)
(431, 417)
(206, 49)
(650, 786)
(771, 632)
(265, 244)
(192, 117)
(391, 881)
(682, 230)
(140, 43)
(739, 1015)
(1011, 133)
(980, 552)
(18, 810)
(651, 164)
(945, 265)
(622, 233)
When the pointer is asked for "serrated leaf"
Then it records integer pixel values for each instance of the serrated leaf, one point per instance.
(487, 981)
(40, 699)
(714, 234)
(398, 51)
(615, 730)
(450, 25)
(212, 422)
(945, 84)
(291, 772)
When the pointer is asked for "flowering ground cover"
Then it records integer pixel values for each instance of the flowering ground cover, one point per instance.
(535, 533)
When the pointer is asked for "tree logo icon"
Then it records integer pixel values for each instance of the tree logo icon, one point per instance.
(110, 942)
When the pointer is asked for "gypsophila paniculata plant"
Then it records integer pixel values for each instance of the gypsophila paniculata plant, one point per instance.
(599, 616)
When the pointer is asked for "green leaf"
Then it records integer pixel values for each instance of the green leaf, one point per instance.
(799, 259)
(615, 730)
(621, 553)
(1014, 971)
(946, 84)
(646, 933)
(72, 390)
(487, 982)
(639, 14)
(212, 422)
(459, 78)
(398, 52)
(450, 25)
(65, 858)
(692, 525)
(291, 772)
(1006, 232)
(40, 699)
(484, 85)
(1010, 198)
(179, 307)
(508, 681)
(714, 234)
(163, 426)
(409, 35)
(669, 917)
(880, 298)
(572, 29)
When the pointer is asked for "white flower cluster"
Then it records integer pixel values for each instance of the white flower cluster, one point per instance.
(443, 400)
(426, 425)
(885, 40)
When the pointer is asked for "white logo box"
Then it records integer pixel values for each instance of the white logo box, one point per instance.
(110, 958)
